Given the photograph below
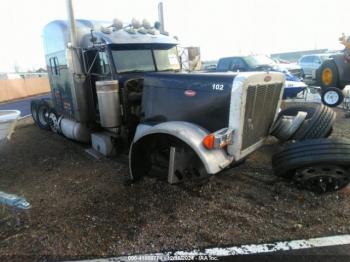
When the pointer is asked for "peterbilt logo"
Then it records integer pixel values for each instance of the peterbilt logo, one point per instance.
(250, 124)
(267, 78)
(190, 93)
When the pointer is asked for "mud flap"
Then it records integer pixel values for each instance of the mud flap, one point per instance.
(178, 167)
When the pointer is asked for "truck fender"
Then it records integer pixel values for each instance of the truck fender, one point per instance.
(213, 160)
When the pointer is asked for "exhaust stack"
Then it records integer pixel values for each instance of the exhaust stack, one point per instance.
(71, 22)
(80, 95)
(74, 43)
(161, 17)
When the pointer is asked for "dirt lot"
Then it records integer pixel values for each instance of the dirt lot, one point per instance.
(82, 209)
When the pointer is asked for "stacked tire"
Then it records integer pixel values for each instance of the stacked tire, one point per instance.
(318, 122)
(320, 165)
(311, 160)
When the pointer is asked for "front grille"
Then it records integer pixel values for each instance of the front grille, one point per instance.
(261, 106)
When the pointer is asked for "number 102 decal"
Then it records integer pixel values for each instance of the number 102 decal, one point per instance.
(218, 87)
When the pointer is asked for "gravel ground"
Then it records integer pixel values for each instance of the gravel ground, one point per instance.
(82, 209)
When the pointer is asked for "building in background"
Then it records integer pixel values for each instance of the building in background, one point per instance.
(23, 75)
(9, 76)
(293, 57)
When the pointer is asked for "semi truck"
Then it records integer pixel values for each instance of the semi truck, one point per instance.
(120, 88)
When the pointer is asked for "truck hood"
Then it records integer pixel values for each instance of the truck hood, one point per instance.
(204, 99)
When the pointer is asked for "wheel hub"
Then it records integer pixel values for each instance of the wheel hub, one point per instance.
(323, 178)
(327, 76)
(331, 97)
(53, 122)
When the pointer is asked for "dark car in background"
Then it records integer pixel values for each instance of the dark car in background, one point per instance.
(294, 84)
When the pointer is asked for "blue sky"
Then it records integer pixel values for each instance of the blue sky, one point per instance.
(220, 27)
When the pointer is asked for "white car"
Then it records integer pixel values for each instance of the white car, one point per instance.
(310, 63)
(293, 68)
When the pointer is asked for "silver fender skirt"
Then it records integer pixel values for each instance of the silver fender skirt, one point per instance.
(213, 160)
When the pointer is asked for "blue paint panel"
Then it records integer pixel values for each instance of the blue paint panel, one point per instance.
(291, 92)
(188, 97)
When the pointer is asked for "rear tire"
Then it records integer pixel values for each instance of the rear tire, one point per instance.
(34, 110)
(43, 114)
(332, 96)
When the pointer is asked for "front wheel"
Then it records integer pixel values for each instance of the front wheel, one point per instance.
(332, 96)
(165, 157)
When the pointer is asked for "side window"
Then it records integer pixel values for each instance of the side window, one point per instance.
(104, 63)
(54, 66)
(307, 59)
(316, 60)
(57, 66)
(50, 66)
(96, 63)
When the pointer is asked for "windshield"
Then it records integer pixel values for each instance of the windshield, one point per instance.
(133, 60)
(167, 59)
(259, 60)
(143, 61)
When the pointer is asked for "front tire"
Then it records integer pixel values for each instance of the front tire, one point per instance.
(151, 157)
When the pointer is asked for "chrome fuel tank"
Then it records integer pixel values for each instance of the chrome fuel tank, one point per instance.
(108, 103)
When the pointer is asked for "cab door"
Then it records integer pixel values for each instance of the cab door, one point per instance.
(98, 68)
